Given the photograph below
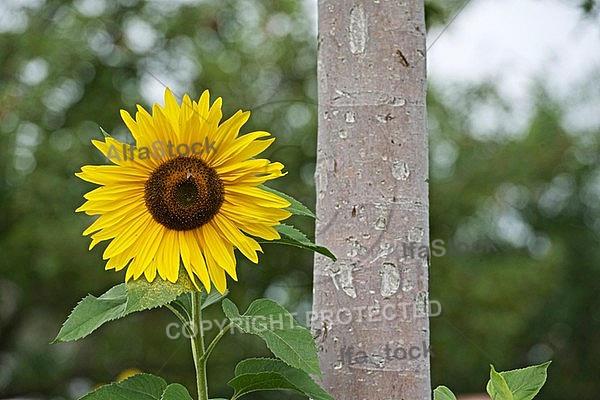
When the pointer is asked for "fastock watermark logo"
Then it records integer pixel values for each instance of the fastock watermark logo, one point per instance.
(410, 249)
(379, 354)
(160, 149)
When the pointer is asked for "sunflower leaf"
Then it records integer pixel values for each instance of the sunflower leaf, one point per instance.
(443, 393)
(292, 236)
(144, 295)
(119, 301)
(91, 312)
(175, 391)
(140, 387)
(284, 336)
(523, 384)
(213, 297)
(497, 387)
(184, 302)
(273, 375)
(296, 208)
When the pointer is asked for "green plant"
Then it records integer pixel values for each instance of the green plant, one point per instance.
(517, 384)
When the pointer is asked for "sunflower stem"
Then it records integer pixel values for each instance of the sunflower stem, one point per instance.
(176, 312)
(198, 346)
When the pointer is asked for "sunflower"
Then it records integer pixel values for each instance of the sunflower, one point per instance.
(186, 194)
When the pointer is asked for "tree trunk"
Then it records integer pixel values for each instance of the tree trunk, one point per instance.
(370, 306)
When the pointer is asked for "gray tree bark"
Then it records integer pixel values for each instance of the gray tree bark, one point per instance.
(370, 306)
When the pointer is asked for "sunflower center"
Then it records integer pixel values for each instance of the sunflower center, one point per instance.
(183, 193)
(186, 194)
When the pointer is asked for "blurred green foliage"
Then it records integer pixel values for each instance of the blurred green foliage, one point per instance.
(67, 67)
(537, 196)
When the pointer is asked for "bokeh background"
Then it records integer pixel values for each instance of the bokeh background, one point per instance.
(517, 160)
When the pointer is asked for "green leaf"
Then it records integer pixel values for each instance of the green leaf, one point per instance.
(184, 302)
(443, 393)
(497, 387)
(292, 236)
(119, 301)
(268, 374)
(296, 208)
(213, 297)
(525, 383)
(175, 391)
(138, 387)
(92, 312)
(144, 295)
(284, 336)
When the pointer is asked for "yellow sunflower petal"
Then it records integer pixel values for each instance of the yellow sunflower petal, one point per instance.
(184, 240)
(239, 145)
(257, 196)
(216, 273)
(197, 260)
(118, 262)
(150, 272)
(253, 214)
(220, 250)
(203, 106)
(111, 219)
(111, 192)
(125, 239)
(251, 149)
(109, 174)
(243, 175)
(214, 113)
(170, 256)
(165, 130)
(146, 257)
(245, 244)
(171, 108)
(227, 132)
(136, 131)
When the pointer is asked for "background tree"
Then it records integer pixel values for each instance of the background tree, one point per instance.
(372, 197)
